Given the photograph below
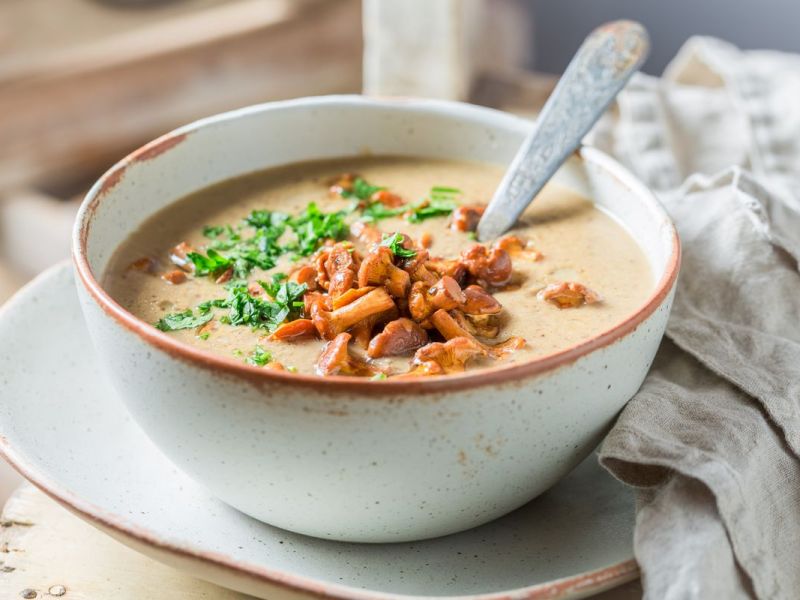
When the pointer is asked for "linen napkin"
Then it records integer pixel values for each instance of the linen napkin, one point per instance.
(712, 439)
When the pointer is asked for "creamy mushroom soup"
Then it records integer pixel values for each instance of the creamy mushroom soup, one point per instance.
(369, 267)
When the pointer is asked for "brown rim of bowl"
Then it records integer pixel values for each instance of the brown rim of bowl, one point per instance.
(343, 384)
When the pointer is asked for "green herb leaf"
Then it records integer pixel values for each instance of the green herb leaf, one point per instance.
(258, 357)
(183, 320)
(395, 243)
(213, 231)
(362, 190)
(377, 211)
(312, 227)
(213, 263)
(264, 219)
(378, 377)
(441, 202)
(247, 310)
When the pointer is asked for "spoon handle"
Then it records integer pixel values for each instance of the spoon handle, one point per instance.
(595, 75)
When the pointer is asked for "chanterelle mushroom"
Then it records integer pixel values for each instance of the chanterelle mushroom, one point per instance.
(451, 329)
(378, 268)
(466, 218)
(294, 330)
(448, 357)
(568, 294)
(335, 359)
(477, 301)
(516, 246)
(490, 267)
(425, 300)
(331, 323)
(306, 274)
(365, 233)
(341, 268)
(485, 326)
(179, 256)
(399, 337)
(451, 268)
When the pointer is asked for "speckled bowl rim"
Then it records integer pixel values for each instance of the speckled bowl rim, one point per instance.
(344, 384)
(589, 582)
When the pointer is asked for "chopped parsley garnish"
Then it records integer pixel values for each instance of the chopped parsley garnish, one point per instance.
(212, 263)
(395, 243)
(264, 236)
(286, 303)
(183, 320)
(362, 190)
(258, 357)
(213, 231)
(313, 226)
(230, 249)
(377, 211)
(378, 377)
(441, 202)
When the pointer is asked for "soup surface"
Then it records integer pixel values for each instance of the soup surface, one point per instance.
(311, 269)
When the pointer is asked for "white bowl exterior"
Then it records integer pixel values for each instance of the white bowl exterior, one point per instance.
(351, 466)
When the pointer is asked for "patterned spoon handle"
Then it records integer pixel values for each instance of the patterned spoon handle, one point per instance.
(595, 75)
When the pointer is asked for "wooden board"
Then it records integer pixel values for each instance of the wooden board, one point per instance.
(44, 548)
(83, 108)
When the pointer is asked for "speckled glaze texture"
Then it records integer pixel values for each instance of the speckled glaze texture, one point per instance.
(363, 461)
(572, 541)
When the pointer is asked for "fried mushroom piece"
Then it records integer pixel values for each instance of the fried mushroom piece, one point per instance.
(146, 264)
(294, 330)
(362, 331)
(451, 329)
(516, 246)
(477, 301)
(387, 198)
(416, 267)
(451, 268)
(484, 326)
(378, 268)
(341, 268)
(448, 357)
(568, 294)
(179, 256)
(226, 276)
(320, 258)
(332, 323)
(306, 274)
(350, 296)
(491, 268)
(174, 277)
(424, 300)
(342, 183)
(335, 359)
(365, 233)
(466, 218)
(399, 337)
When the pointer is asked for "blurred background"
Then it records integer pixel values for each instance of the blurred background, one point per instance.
(84, 82)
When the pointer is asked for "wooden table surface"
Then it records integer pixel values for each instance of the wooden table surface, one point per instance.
(47, 553)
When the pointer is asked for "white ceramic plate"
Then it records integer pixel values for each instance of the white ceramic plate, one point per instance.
(64, 429)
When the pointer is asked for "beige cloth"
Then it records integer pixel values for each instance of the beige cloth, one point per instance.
(712, 440)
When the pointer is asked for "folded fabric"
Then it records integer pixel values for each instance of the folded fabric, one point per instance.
(712, 439)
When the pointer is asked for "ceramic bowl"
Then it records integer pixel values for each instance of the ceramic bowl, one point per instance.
(347, 459)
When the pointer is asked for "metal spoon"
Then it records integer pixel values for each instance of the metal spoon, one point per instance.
(595, 75)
